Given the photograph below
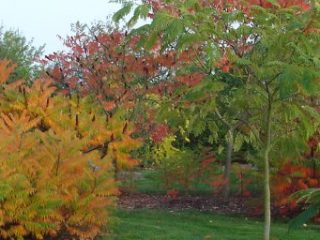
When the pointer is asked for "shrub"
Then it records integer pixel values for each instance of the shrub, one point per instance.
(48, 187)
(58, 155)
(177, 167)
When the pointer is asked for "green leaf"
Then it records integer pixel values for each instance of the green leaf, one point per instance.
(238, 141)
(243, 62)
(187, 40)
(124, 11)
(286, 82)
(198, 127)
(205, 86)
(303, 217)
(140, 12)
(161, 21)
(174, 29)
(220, 149)
(190, 3)
(151, 41)
(307, 81)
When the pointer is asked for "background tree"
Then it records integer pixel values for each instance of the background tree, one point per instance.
(202, 68)
(16, 48)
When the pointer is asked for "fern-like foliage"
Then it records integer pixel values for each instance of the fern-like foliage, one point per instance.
(311, 197)
(58, 155)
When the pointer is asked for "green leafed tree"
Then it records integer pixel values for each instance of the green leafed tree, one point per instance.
(282, 70)
(16, 48)
(270, 46)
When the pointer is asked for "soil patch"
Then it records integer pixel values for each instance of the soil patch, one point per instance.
(236, 205)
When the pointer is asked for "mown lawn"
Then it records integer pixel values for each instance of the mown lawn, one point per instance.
(195, 225)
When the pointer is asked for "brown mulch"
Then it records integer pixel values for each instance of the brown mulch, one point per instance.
(236, 205)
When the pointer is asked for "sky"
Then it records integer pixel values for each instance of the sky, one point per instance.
(43, 20)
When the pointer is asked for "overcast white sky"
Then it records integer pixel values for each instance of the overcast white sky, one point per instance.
(43, 20)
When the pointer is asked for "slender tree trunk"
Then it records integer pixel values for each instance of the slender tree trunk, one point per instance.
(227, 167)
(116, 169)
(267, 197)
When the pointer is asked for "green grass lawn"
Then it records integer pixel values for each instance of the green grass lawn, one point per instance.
(187, 225)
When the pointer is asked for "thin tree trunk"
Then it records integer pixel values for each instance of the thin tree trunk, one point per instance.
(227, 167)
(267, 197)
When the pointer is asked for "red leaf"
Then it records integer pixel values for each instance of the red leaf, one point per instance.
(109, 105)
(159, 133)
(191, 79)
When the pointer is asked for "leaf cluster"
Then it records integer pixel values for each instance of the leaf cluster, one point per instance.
(58, 157)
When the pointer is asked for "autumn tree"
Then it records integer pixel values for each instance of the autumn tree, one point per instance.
(102, 61)
(184, 28)
(109, 66)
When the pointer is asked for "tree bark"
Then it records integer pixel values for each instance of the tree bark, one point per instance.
(227, 167)
(267, 196)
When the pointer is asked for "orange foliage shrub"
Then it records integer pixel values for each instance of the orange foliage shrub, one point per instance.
(57, 157)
